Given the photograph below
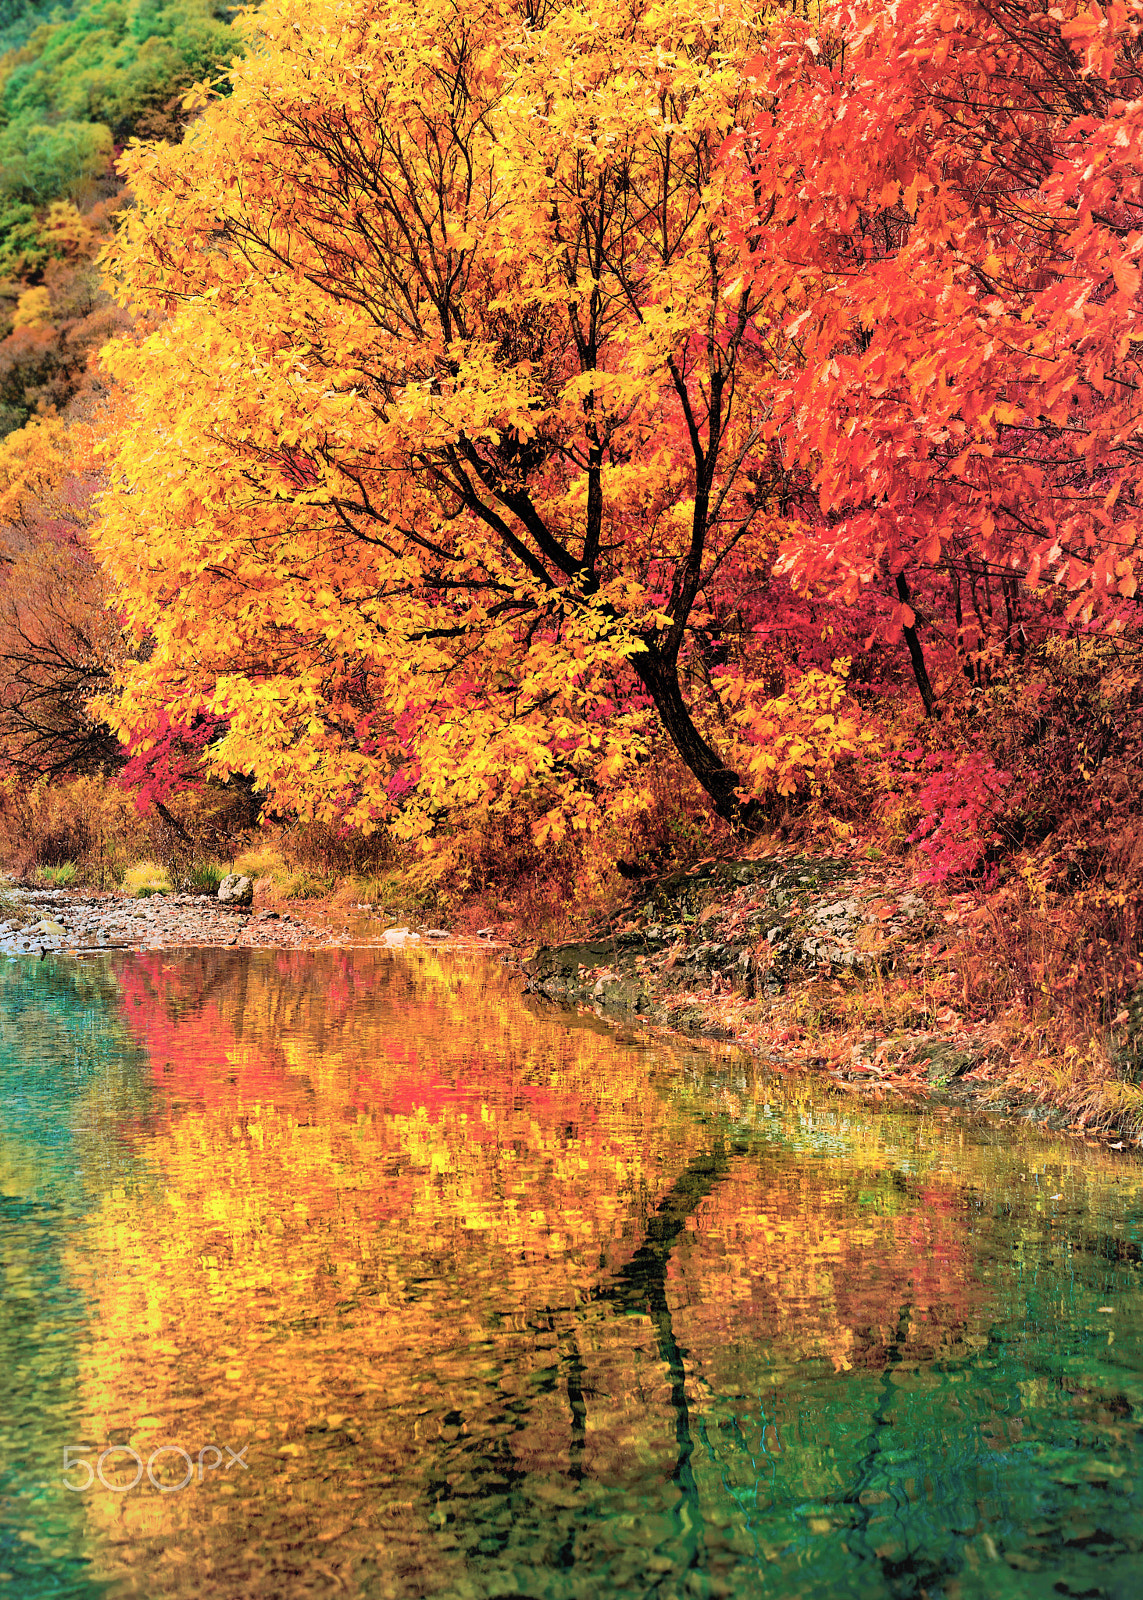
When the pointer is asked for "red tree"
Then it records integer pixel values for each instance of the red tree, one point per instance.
(949, 214)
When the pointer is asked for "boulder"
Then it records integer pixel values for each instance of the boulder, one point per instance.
(235, 890)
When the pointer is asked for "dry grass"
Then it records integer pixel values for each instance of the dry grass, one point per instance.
(86, 822)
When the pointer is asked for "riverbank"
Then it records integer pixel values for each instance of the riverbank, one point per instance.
(844, 967)
(830, 964)
(77, 922)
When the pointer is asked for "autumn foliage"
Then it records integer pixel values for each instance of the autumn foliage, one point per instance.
(494, 442)
(59, 642)
(948, 207)
(554, 438)
(518, 357)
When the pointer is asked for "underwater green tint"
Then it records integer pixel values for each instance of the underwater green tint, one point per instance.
(353, 1273)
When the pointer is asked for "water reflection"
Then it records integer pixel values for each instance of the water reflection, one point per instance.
(439, 1295)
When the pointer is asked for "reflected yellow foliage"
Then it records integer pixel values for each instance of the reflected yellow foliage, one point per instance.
(420, 1247)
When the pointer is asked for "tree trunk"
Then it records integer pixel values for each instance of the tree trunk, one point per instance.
(916, 654)
(172, 822)
(660, 677)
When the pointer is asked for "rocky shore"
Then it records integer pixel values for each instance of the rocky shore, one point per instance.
(44, 920)
(39, 921)
(836, 965)
(806, 962)
(830, 964)
(732, 937)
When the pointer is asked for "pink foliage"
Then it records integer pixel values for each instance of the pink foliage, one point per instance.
(961, 798)
(172, 761)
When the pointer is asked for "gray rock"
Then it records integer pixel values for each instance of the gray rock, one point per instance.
(946, 1059)
(235, 890)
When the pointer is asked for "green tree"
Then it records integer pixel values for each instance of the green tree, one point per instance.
(39, 162)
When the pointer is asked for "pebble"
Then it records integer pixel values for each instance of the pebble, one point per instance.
(78, 922)
(83, 923)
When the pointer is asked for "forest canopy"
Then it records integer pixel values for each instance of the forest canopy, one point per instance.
(76, 83)
(563, 434)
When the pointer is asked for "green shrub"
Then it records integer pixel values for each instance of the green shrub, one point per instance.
(77, 86)
(146, 878)
(39, 163)
(202, 877)
(60, 876)
(113, 64)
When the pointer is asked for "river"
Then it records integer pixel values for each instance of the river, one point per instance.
(354, 1273)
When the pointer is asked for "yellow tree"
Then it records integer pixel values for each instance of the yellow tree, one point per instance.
(451, 430)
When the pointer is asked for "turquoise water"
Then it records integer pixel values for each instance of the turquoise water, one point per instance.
(351, 1273)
